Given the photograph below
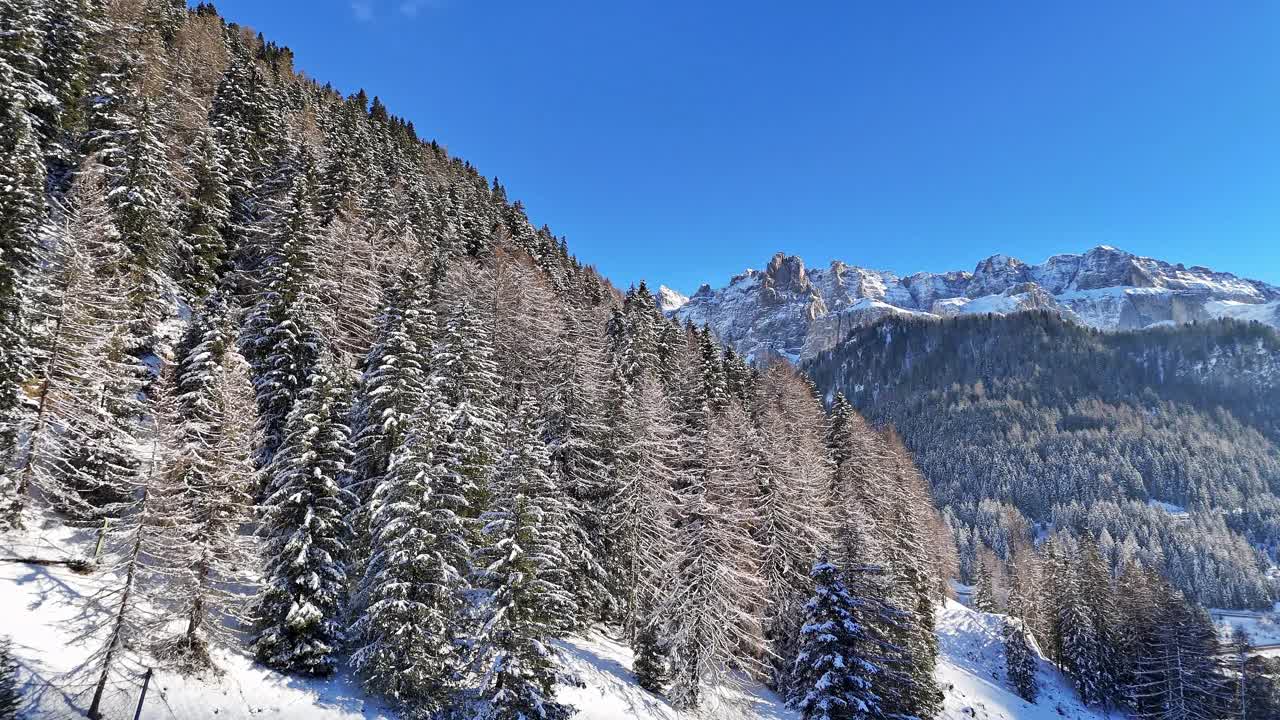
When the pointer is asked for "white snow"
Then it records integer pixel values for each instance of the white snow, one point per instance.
(1263, 627)
(971, 672)
(1261, 312)
(45, 609)
(670, 300)
(1176, 511)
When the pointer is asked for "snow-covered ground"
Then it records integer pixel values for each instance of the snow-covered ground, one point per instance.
(47, 609)
(971, 672)
(1263, 627)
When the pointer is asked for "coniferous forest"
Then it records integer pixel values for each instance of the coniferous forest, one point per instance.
(326, 395)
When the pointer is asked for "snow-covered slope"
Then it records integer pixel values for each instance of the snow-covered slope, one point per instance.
(789, 310)
(46, 610)
(971, 672)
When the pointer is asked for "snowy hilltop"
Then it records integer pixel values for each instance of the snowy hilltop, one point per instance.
(790, 310)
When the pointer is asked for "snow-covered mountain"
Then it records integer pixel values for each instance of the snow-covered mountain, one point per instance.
(797, 312)
(670, 300)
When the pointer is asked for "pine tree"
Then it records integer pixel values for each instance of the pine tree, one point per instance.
(835, 669)
(464, 366)
(525, 576)
(10, 696)
(1020, 661)
(206, 215)
(409, 626)
(21, 208)
(281, 340)
(306, 528)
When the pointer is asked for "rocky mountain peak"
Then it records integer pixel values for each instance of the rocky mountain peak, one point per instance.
(788, 310)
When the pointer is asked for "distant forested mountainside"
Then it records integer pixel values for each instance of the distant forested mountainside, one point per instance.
(1163, 443)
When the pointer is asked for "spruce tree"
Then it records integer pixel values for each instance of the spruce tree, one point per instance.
(206, 215)
(983, 594)
(1019, 661)
(409, 625)
(306, 524)
(281, 340)
(21, 208)
(524, 575)
(139, 199)
(463, 365)
(392, 384)
(834, 671)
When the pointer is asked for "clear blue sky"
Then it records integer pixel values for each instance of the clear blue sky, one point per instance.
(682, 141)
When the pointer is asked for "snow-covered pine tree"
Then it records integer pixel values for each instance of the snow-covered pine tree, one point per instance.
(462, 363)
(207, 557)
(834, 671)
(391, 386)
(280, 340)
(21, 209)
(306, 524)
(206, 215)
(410, 626)
(525, 576)
(1019, 660)
(712, 588)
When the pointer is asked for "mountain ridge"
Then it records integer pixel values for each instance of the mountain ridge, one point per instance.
(796, 312)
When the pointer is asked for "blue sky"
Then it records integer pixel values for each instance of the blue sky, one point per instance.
(682, 141)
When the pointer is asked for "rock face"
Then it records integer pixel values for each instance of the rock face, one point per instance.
(789, 310)
(669, 300)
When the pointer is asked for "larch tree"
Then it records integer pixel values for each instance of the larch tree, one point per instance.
(712, 587)
(208, 558)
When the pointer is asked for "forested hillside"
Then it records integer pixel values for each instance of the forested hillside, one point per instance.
(1161, 444)
(326, 397)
